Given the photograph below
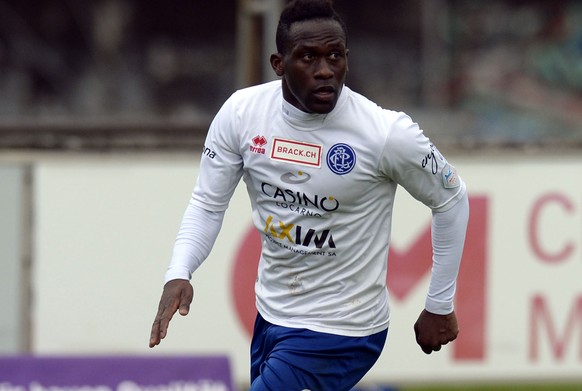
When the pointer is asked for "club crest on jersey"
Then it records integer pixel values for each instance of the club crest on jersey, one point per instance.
(290, 151)
(258, 143)
(341, 159)
(450, 177)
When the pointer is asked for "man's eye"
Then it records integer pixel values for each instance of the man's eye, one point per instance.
(308, 57)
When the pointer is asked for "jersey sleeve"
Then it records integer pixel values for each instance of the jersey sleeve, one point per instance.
(220, 171)
(221, 165)
(448, 238)
(198, 232)
(410, 159)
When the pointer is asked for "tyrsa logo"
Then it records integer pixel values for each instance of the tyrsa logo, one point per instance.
(290, 151)
(258, 143)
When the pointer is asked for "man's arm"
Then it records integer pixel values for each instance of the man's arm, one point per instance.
(197, 234)
(221, 168)
(437, 323)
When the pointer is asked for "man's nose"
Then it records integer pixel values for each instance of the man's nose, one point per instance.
(323, 70)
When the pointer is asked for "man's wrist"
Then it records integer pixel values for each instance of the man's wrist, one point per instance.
(177, 273)
(438, 307)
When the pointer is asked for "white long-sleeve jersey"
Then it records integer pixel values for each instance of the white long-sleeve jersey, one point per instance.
(322, 188)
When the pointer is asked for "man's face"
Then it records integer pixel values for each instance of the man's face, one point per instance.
(315, 66)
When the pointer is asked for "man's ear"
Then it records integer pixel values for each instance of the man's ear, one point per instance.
(347, 58)
(277, 64)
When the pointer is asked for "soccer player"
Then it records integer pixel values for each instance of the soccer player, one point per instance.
(321, 164)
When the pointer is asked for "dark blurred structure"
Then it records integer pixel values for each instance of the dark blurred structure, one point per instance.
(114, 57)
(480, 72)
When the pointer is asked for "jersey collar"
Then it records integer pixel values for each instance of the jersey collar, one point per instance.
(311, 121)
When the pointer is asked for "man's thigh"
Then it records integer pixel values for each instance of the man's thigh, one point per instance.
(299, 359)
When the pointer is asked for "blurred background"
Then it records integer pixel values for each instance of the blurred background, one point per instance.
(104, 105)
(486, 72)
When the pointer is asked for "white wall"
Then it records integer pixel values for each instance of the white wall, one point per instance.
(13, 258)
(105, 225)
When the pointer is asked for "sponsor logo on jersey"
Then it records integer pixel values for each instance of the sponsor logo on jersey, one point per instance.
(450, 177)
(258, 145)
(341, 159)
(432, 159)
(297, 152)
(300, 202)
(208, 152)
(295, 178)
(298, 235)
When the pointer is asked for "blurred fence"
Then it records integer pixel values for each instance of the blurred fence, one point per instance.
(499, 72)
(103, 135)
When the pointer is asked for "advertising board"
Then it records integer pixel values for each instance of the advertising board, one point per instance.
(519, 298)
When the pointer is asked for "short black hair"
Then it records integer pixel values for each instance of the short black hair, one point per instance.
(302, 10)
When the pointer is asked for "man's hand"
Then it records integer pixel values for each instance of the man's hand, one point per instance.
(177, 295)
(433, 331)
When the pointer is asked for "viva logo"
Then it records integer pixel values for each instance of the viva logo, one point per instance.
(298, 235)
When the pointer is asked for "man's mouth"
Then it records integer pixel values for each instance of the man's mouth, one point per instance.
(324, 93)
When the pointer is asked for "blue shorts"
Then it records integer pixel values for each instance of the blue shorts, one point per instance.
(292, 359)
